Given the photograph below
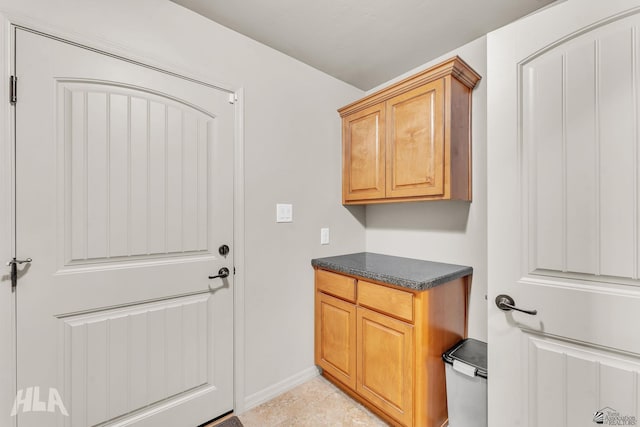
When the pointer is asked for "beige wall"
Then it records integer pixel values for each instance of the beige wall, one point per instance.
(292, 155)
(446, 231)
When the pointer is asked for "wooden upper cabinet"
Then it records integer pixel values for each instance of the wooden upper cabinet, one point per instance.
(412, 140)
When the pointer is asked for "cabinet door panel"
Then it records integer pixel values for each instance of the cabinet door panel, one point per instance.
(364, 154)
(385, 364)
(335, 345)
(415, 157)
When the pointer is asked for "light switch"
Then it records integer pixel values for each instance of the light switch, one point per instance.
(324, 236)
(284, 212)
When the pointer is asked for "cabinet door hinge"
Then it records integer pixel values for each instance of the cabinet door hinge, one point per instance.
(13, 89)
(233, 98)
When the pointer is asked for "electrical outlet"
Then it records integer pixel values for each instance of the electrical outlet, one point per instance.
(324, 236)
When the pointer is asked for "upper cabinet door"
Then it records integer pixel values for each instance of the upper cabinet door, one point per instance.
(363, 154)
(415, 154)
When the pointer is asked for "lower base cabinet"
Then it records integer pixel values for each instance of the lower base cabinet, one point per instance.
(383, 344)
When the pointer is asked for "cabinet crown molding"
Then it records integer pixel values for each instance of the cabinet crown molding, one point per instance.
(454, 67)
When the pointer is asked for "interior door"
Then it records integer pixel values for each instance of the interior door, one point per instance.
(124, 192)
(564, 216)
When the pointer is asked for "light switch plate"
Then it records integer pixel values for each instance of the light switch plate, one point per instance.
(324, 236)
(284, 212)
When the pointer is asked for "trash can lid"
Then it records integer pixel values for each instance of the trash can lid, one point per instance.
(469, 351)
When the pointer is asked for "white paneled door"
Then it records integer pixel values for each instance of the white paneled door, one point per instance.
(124, 193)
(564, 216)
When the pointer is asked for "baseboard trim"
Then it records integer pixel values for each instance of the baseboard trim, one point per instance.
(278, 388)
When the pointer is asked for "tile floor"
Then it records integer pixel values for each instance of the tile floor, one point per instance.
(316, 403)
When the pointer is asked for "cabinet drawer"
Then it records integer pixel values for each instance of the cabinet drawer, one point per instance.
(337, 285)
(387, 300)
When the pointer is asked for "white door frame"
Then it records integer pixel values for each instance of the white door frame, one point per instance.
(7, 298)
(7, 208)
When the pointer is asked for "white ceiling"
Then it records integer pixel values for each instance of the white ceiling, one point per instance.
(363, 42)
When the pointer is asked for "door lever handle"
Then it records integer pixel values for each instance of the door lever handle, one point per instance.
(222, 273)
(18, 261)
(506, 303)
(14, 270)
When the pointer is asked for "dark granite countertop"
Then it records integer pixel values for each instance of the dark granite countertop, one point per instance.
(406, 272)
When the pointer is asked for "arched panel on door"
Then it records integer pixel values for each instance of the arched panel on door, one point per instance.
(136, 173)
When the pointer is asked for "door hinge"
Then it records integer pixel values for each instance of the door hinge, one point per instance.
(233, 98)
(234, 271)
(13, 90)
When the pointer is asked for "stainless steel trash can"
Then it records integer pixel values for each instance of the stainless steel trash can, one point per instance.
(466, 379)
